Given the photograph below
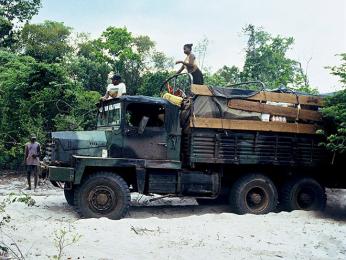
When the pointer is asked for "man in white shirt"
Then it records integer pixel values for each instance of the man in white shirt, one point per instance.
(115, 89)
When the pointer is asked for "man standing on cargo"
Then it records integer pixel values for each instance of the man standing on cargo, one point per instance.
(32, 160)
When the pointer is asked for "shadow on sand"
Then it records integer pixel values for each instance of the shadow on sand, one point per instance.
(174, 211)
(336, 206)
(179, 208)
(334, 212)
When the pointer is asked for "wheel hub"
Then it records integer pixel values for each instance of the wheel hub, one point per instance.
(102, 199)
(257, 199)
(305, 198)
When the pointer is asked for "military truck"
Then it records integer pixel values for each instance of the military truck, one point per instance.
(254, 150)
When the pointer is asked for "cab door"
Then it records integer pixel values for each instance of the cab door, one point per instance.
(145, 135)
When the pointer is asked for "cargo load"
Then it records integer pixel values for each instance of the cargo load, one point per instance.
(240, 109)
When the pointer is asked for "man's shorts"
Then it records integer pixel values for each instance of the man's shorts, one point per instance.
(31, 169)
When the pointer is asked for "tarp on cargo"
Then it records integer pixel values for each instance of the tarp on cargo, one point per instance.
(245, 93)
(213, 102)
(216, 107)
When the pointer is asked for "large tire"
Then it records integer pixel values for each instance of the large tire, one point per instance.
(69, 196)
(254, 194)
(302, 193)
(103, 194)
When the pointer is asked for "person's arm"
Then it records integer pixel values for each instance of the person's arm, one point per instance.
(188, 65)
(39, 150)
(106, 96)
(180, 70)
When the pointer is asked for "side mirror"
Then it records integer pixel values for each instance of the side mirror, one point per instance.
(143, 124)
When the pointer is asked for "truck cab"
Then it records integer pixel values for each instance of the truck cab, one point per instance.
(138, 138)
(139, 127)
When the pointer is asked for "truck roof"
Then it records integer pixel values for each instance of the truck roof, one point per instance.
(139, 99)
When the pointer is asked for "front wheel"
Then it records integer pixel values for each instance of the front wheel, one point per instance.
(302, 194)
(254, 194)
(103, 195)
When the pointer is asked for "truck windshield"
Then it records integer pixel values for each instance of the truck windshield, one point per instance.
(109, 115)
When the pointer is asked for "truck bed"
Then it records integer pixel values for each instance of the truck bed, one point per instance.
(250, 147)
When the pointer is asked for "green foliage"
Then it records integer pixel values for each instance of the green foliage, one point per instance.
(340, 71)
(334, 113)
(5, 28)
(127, 55)
(21, 10)
(22, 198)
(64, 238)
(46, 42)
(160, 62)
(118, 41)
(81, 115)
(12, 198)
(38, 98)
(88, 64)
(151, 83)
(223, 77)
(266, 60)
(12, 13)
(8, 246)
(92, 74)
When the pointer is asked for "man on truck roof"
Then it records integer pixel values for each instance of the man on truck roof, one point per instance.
(116, 89)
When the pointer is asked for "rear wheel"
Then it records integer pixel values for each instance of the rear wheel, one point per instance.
(103, 195)
(302, 194)
(254, 194)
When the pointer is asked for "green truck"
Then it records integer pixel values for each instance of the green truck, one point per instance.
(221, 145)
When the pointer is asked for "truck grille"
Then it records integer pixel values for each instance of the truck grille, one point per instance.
(48, 153)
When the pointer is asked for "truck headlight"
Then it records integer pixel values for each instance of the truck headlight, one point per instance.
(104, 153)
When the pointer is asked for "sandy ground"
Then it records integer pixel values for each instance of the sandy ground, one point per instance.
(174, 229)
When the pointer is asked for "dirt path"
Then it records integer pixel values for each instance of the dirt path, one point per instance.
(175, 229)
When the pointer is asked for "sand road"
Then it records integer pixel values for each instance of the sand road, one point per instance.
(174, 229)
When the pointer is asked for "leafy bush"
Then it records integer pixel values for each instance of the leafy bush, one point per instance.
(334, 113)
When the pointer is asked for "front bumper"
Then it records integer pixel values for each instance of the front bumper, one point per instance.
(61, 173)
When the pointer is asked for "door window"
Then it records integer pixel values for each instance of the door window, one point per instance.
(136, 111)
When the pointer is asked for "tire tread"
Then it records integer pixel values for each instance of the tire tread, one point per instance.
(107, 175)
(285, 193)
(239, 185)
